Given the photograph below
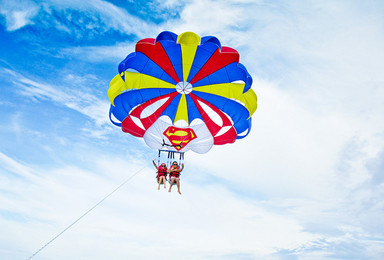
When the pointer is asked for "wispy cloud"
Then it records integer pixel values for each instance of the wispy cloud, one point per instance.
(115, 53)
(18, 15)
(14, 167)
(96, 16)
(76, 97)
(105, 14)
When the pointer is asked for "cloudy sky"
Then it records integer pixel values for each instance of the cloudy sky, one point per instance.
(307, 183)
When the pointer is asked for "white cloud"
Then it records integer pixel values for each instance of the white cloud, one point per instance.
(138, 215)
(208, 18)
(103, 15)
(289, 147)
(114, 53)
(106, 14)
(76, 97)
(18, 13)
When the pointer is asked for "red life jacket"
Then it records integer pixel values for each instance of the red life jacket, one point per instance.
(175, 171)
(162, 171)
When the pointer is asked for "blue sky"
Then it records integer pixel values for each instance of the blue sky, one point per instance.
(307, 183)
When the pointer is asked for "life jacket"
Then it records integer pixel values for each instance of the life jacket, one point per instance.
(175, 172)
(162, 171)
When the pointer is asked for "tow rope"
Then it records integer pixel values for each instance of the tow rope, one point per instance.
(78, 219)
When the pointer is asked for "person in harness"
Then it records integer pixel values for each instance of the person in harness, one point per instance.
(161, 174)
(174, 175)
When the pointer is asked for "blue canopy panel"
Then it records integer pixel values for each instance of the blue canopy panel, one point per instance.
(171, 109)
(249, 121)
(167, 36)
(173, 51)
(121, 67)
(210, 39)
(116, 112)
(248, 81)
(238, 113)
(193, 112)
(231, 72)
(142, 64)
(203, 53)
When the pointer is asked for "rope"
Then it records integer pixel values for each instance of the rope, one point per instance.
(77, 220)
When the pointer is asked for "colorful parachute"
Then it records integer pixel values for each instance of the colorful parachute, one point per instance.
(182, 92)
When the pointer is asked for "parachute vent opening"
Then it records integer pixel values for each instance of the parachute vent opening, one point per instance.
(244, 133)
(238, 82)
(131, 70)
(184, 87)
(223, 130)
(212, 114)
(229, 118)
(238, 101)
(152, 108)
(133, 108)
(127, 90)
(114, 119)
(137, 122)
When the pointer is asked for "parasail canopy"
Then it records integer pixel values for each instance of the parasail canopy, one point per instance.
(183, 92)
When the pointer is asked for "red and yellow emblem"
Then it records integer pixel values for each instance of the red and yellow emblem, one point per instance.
(179, 137)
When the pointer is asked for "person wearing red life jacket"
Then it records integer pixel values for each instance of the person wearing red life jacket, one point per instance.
(174, 175)
(161, 174)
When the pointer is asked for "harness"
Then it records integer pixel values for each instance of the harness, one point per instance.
(170, 158)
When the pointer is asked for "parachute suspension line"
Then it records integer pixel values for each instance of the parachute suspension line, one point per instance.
(181, 158)
(82, 216)
(172, 157)
(172, 145)
(168, 160)
(158, 160)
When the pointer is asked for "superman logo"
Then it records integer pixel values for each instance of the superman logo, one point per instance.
(179, 137)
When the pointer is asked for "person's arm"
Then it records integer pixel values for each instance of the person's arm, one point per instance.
(182, 167)
(155, 164)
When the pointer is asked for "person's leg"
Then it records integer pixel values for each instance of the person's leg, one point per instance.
(164, 181)
(172, 182)
(178, 185)
(159, 182)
